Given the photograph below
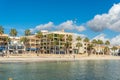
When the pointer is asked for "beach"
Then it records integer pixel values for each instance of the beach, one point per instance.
(54, 57)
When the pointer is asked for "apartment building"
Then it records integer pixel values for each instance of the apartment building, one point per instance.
(85, 46)
(15, 46)
(14, 40)
(3, 42)
(82, 49)
(32, 43)
(55, 42)
(99, 48)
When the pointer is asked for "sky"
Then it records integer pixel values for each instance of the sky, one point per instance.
(95, 19)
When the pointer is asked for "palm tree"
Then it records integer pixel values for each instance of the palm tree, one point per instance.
(54, 44)
(50, 38)
(68, 43)
(7, 40)
(100, 42)
(78, 38)
(13, 32)
(61, 36)
(24, 40)
(39, 35)
(94, 42)
(69, 38)
(89, 49)
(106, 50)
(114, 48)
(107, 43)
(1, 30)
(27, 32)
(78, 45)
(86, 39)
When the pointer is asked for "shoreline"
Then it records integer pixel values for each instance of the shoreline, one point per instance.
(57, 58)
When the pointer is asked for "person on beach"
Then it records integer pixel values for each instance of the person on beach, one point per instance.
(74, 56)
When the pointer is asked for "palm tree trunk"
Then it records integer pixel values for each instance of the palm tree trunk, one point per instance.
(99, 50)
(55, 49)
(78, 49)
(66, 50)
(24, 48)
(103, 53)
(49, 47)
(59, 46)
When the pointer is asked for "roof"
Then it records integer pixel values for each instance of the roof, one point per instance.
(99, 47)
(14, 37)
(31, 37)
(61, 32)
(4, 35)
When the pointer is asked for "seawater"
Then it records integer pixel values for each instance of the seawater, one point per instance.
(61, 70)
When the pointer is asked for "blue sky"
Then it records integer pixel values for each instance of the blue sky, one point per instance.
(29, 14)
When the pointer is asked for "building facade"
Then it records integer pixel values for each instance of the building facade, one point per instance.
(15, 46)
(56, 42)
(32, 43)
(3, 41)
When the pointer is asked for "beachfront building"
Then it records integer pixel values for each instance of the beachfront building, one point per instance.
(115, 50)
(32, 43)
(15, 46)
(118, 50)
(3, 41)
(85, 46)
(99, 49)
(82, 49)
(57, 42)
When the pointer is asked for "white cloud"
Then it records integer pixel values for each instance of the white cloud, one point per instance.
(68, 25)
(47, 26)
(101, 37)
(81, 35)
(80, 28)
(110, 20)
(116, 40)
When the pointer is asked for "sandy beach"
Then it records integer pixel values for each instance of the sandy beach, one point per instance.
(53, 57)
